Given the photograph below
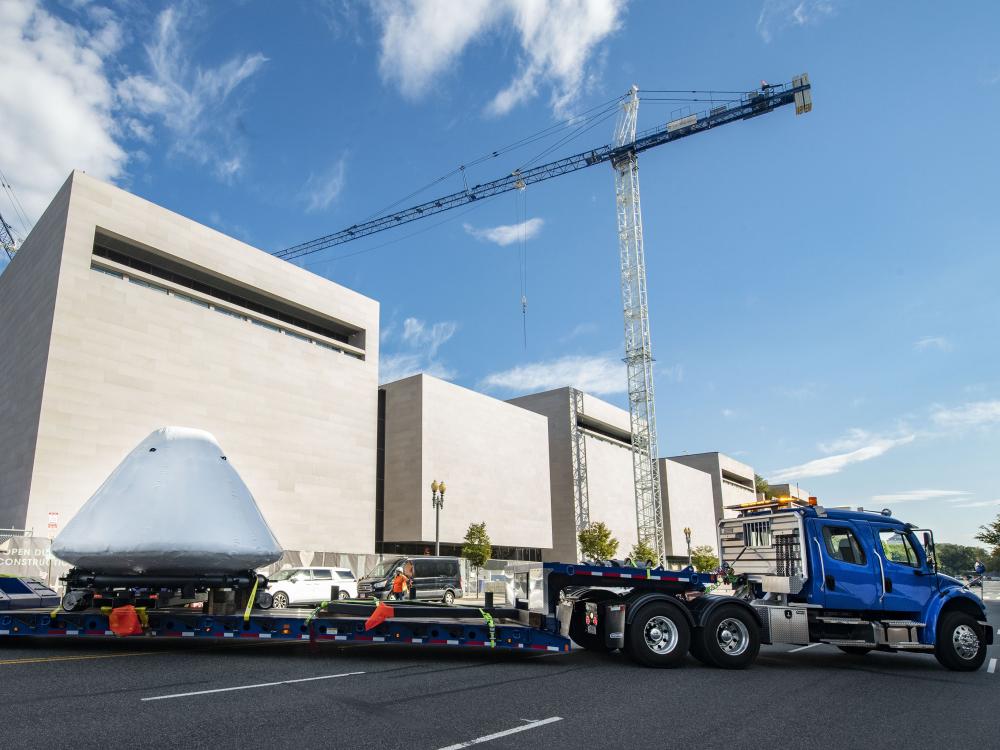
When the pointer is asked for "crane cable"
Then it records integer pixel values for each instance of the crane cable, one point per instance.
(15, 202)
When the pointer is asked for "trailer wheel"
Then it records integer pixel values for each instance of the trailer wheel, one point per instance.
(658, 636)
(960, 643)
(729, 638)
(698, 651)
(279, 600)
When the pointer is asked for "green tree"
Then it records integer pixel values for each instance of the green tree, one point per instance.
(763, 488)
(642, 552)
(956, 559)
(597, 543)
(704, 559)
(477, 548)
(991, 535)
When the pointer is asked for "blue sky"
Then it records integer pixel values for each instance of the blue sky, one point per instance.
(823, 289)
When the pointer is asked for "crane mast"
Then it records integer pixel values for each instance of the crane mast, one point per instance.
(623, 156)
(638, 350)
(7, 239)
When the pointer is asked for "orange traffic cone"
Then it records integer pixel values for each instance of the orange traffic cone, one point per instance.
(382, 613)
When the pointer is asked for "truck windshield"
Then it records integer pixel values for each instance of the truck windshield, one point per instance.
(384, 568)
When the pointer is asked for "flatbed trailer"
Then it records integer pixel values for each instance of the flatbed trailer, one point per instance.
(651, 613)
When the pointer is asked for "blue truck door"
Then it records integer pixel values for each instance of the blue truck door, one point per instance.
(909, 583)
(846, 576)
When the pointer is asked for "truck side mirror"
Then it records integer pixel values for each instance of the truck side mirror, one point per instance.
(928, 542)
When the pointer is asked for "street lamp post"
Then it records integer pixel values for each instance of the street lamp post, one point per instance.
(437, 500)
(687, 537)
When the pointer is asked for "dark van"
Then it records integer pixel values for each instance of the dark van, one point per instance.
(436, 579)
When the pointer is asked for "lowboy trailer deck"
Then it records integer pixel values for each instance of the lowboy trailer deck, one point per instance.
(650, 612)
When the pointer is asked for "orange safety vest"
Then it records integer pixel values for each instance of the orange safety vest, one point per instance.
(400, 584)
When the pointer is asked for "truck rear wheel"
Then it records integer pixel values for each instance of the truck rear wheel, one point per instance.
(960, 643)
(729, 638)
(658, 636)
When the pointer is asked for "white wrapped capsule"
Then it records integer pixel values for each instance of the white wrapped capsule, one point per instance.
(175, 505)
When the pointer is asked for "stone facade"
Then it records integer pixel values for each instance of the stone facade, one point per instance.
(491, 455)
(97, 351)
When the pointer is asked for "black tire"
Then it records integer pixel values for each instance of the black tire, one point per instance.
(855, 650)
(279, 600)
(698, 651)
(960, 643)
(729, 638)
(449, 597)
(658, 636)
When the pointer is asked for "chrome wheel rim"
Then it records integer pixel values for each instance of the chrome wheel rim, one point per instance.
(280, 601)
(660, 635)
(966, 642)
(732, 636)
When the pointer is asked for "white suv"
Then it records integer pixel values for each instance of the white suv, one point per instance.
(310, 585)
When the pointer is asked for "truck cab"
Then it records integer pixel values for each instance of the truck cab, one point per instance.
(855, 579)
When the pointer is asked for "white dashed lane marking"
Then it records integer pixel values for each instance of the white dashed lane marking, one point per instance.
(803, 648)
(993, 666)
(251, 687)
(498, 735)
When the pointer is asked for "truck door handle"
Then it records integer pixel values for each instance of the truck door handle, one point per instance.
(830, 582)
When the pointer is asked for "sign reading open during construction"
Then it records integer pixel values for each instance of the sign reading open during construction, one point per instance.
(53, 519)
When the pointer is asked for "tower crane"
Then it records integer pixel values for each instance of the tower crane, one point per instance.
(7, 239)
(622, 154)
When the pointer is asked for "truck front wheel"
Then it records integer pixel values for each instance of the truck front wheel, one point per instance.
(729, 639)
(658, 636)
(960, 643)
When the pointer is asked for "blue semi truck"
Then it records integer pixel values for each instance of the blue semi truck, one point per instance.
(801, 574)
(855, 579)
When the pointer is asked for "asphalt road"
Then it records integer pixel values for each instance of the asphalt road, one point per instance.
(147, 694)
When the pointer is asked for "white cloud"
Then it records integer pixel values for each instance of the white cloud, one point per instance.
(322, 190)
(916, 495)
(599, 375)
(196, 104)
(854, 439)
(422, 40)
(57, 102)
(970, 414)
(980, 504)
(728, 413)
(932, 342)
(507, 234)
(422, 342)
(822, 467)
(417, 333)
(557, 38)
(777, 15)
(394, 367)
(581, 329)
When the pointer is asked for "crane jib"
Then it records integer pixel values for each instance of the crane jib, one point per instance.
(752, 104)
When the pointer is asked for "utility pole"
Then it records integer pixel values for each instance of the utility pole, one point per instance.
(437, 500)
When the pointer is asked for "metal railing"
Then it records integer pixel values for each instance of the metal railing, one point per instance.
(6, 534)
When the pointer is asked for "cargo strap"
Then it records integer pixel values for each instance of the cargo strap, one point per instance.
(315, 612)
(488, 618)
(253, 598)
(53, 613)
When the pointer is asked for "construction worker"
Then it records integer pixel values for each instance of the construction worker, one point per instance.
(400, 584)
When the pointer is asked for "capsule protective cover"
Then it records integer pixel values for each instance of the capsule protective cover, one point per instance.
(175, 505)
